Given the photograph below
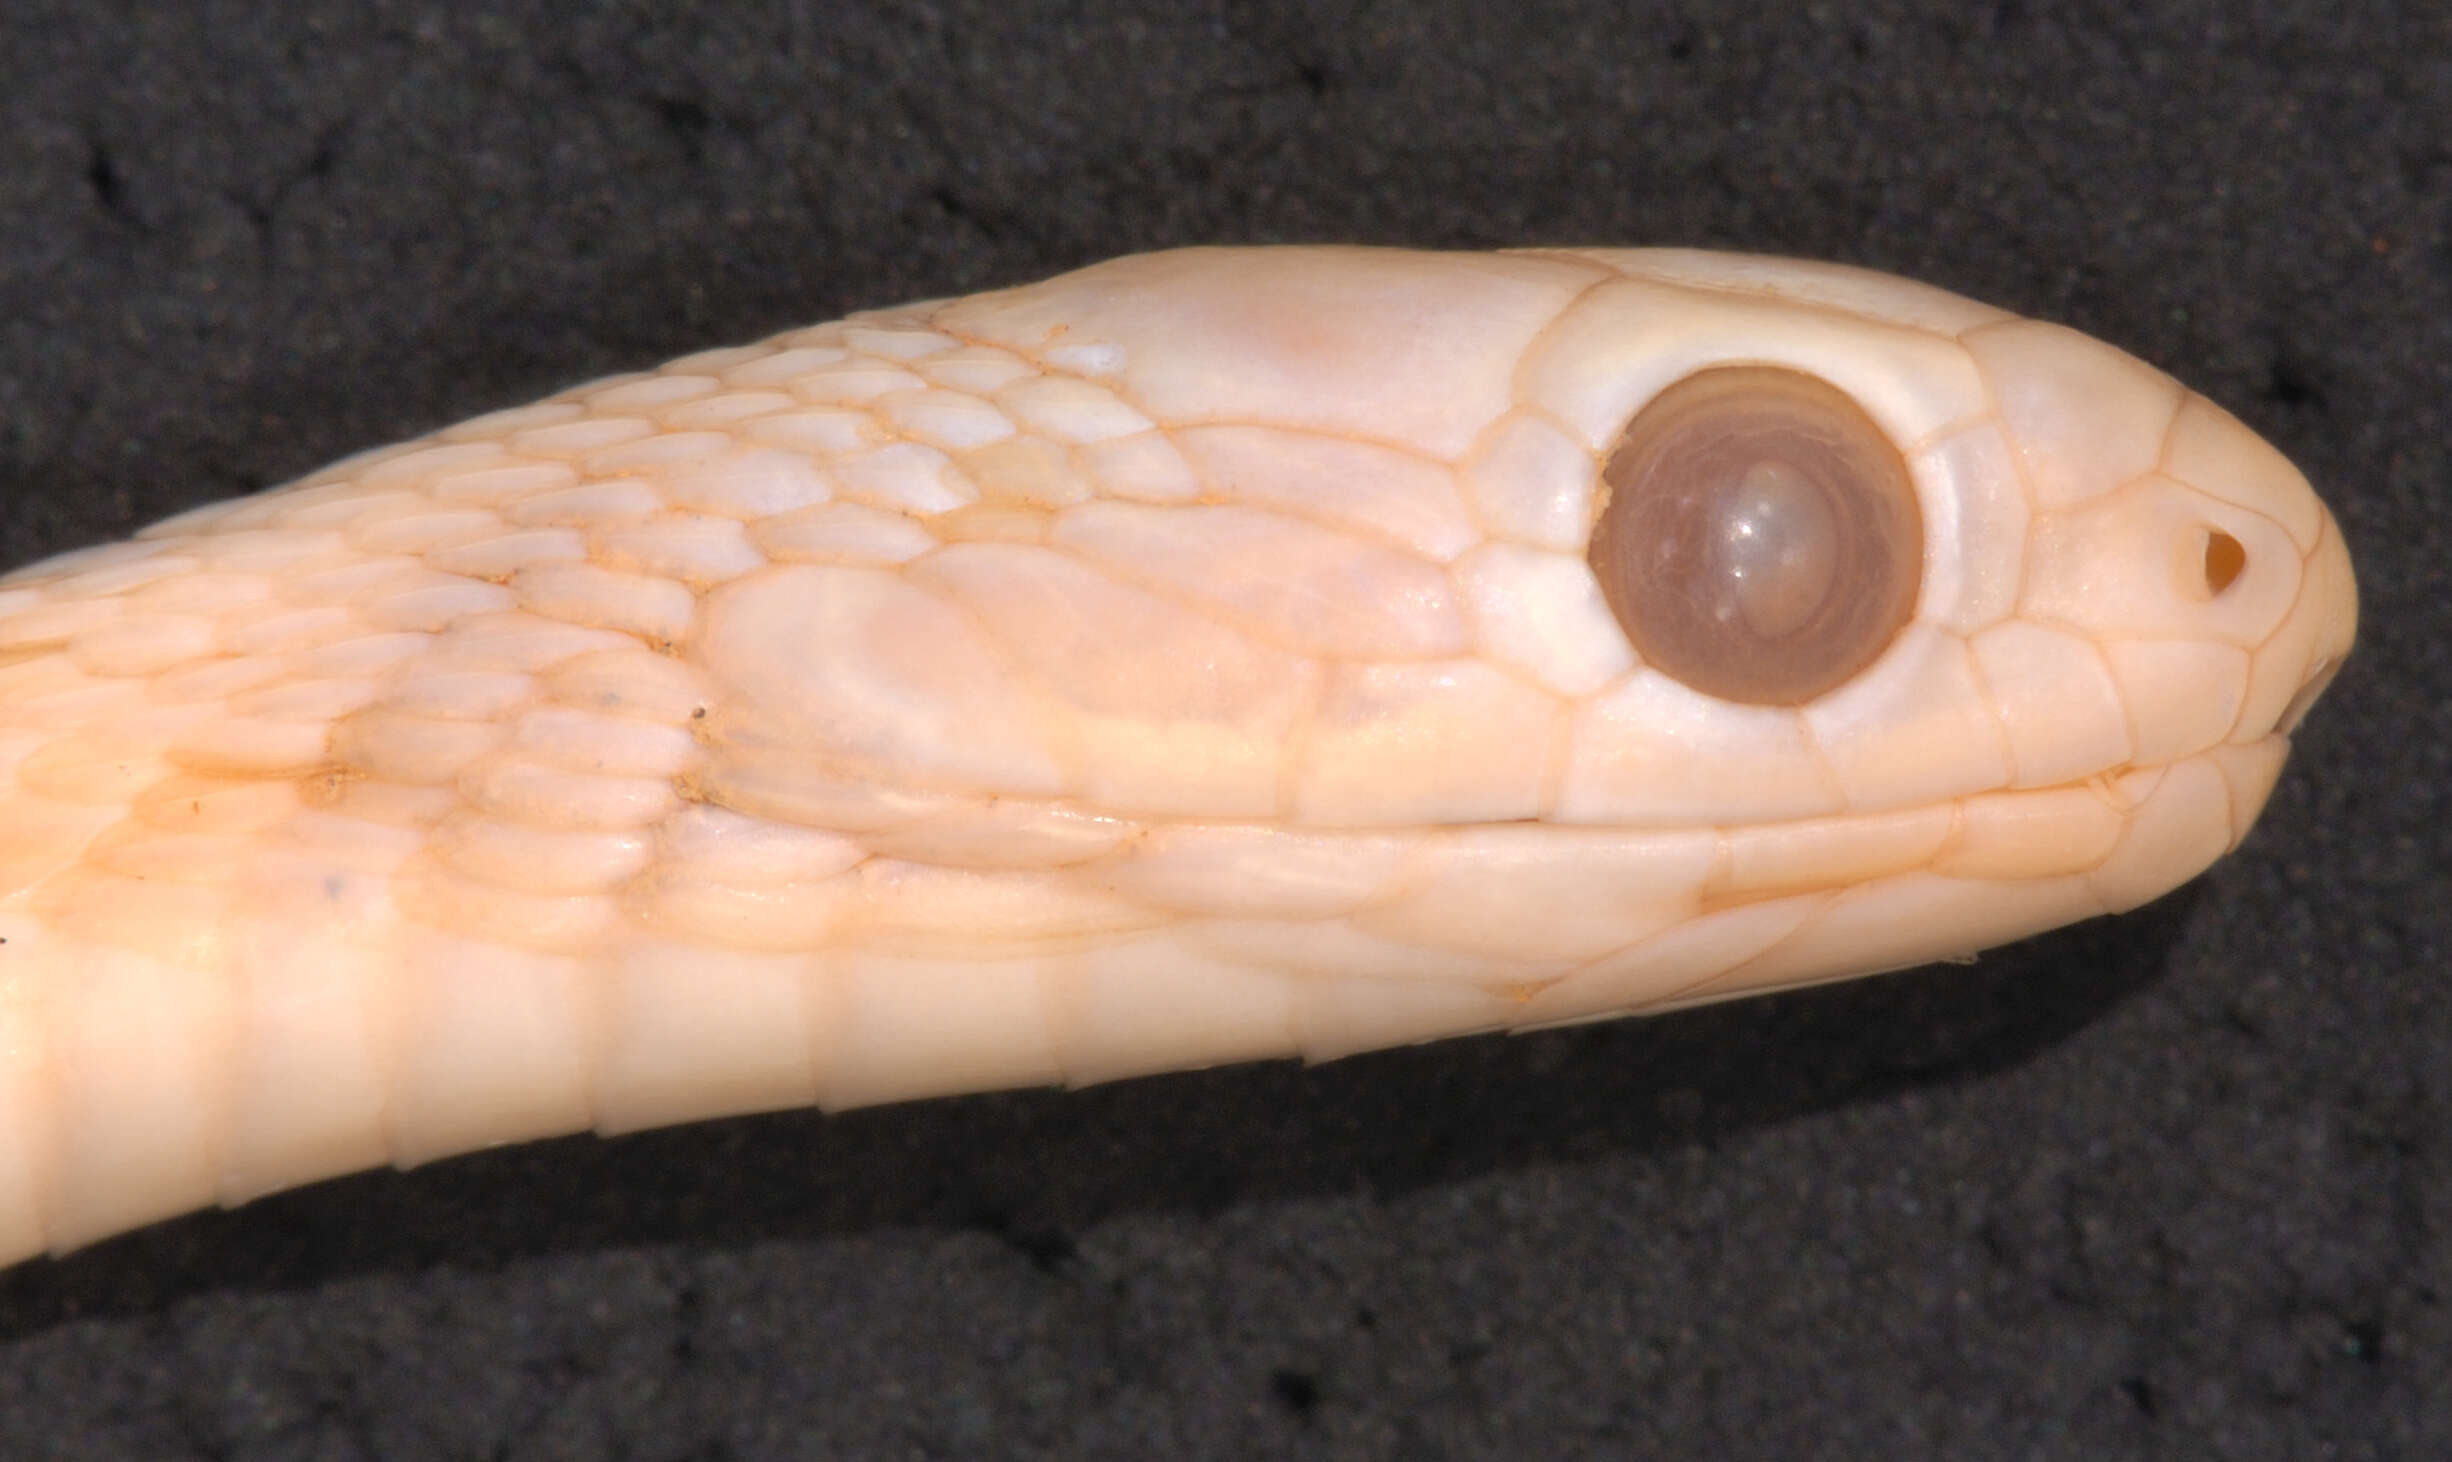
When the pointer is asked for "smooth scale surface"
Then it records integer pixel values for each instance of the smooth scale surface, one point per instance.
(1190, 659)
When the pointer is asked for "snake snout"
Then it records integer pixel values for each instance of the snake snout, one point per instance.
(2315, 637)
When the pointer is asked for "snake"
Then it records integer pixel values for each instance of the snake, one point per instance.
(1204, 656)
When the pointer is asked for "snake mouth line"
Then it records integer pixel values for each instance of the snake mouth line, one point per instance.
(2319, 680)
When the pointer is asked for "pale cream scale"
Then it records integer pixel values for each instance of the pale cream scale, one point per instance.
(1204, 656)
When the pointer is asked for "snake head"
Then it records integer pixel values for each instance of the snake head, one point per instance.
(1886, 624)
(2120, 602)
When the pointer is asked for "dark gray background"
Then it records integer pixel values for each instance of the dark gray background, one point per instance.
(2171, 1185)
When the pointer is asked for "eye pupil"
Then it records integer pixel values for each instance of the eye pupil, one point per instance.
(1759, 538)
(1777, 546)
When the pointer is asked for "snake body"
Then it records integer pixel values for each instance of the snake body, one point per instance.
(1191, 659)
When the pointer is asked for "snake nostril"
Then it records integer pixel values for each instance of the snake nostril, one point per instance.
(2225, 560)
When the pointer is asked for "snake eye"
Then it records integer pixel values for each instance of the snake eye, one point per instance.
(1758, 537)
